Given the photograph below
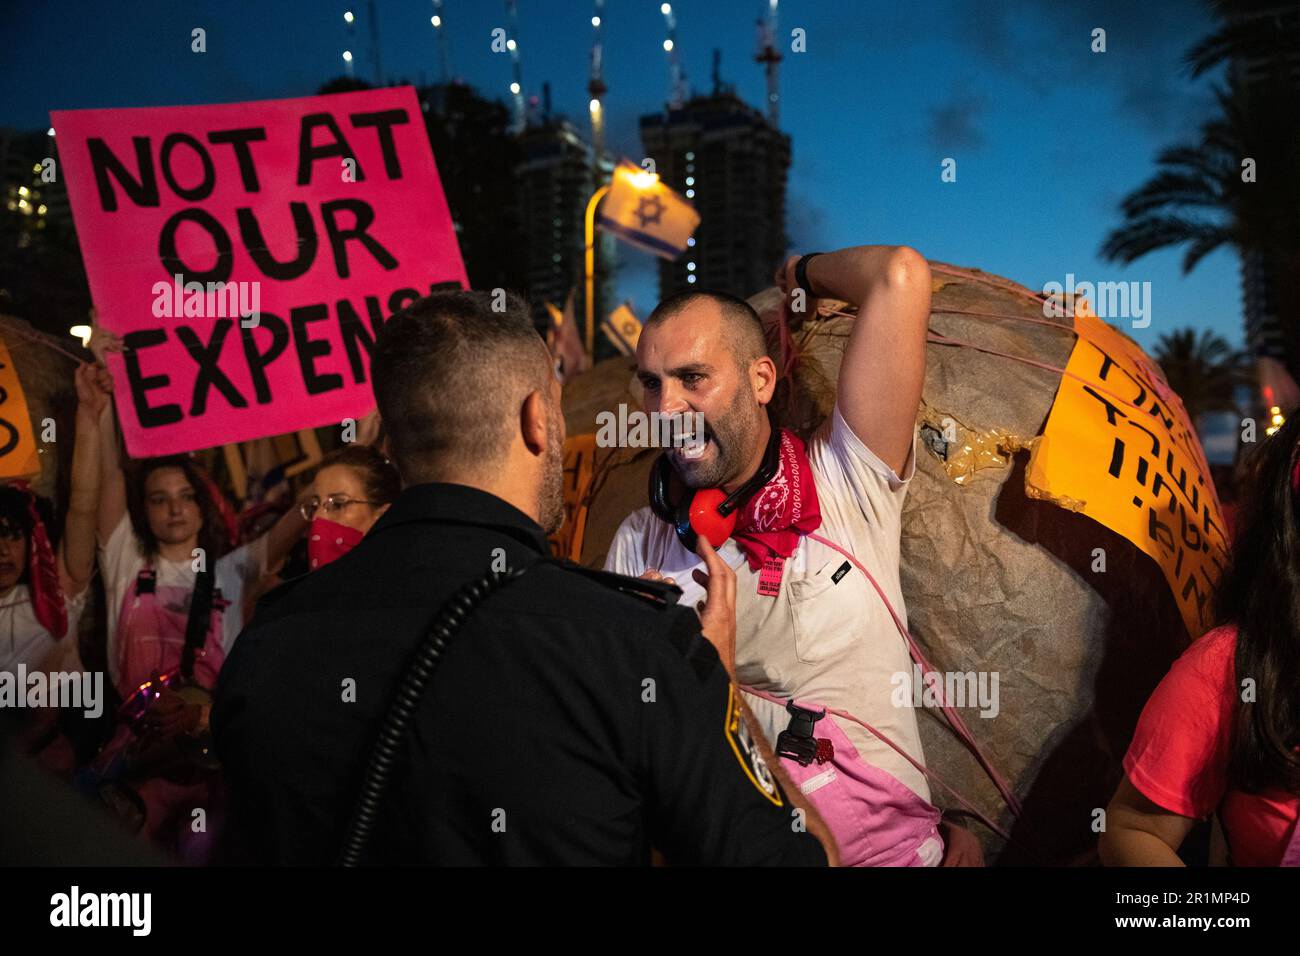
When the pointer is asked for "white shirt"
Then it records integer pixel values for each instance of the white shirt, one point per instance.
(23, 639)
(121, 560)
(822, 641)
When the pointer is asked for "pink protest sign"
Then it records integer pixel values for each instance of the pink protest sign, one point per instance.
(248, 253)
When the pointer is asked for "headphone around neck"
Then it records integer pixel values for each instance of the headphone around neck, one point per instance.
(708, 511)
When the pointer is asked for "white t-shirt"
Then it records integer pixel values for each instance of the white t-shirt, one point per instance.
(121, 560)
(826, 638)
(23, 640)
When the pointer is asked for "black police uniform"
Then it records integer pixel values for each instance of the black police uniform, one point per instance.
(570, 722)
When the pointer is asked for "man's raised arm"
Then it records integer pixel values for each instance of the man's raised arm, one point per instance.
(884, 362)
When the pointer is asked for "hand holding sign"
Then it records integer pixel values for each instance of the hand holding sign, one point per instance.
(93, 392)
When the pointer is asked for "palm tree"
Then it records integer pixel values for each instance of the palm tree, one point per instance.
(1201, 195)
(1202, 368)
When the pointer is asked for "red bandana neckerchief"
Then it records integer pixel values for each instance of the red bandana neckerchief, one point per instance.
(783, 510)
(43, 572)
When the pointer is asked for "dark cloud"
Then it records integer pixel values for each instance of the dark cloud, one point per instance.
(1047, 45)
(954, 125)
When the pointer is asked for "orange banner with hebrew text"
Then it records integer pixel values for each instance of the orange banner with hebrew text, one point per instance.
(1119, 447)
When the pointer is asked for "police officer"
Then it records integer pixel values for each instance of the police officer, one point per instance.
(577, 717)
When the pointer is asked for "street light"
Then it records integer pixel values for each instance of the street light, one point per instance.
(641, 180)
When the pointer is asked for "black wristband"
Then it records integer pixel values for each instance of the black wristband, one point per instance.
(801, 271)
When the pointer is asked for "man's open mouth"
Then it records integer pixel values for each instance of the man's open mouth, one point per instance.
(691, 437)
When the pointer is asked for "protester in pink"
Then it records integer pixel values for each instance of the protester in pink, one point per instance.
(812, 632)
(1221, 733)
(174, 593)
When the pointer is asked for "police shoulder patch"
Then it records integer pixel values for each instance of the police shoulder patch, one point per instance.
(746, 750)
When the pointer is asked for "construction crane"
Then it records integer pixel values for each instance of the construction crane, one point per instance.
(374, 43)
(676, 74)
(770, 57)
(517, 84)
(596, 86)
(437, 22)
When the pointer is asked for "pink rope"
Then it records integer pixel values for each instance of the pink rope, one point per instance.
(980, 315)
(40, 339)
(1004, 285)
(1005, 315)
(954, 719)
(939, 339)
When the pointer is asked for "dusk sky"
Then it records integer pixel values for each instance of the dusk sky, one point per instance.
(1047, 135)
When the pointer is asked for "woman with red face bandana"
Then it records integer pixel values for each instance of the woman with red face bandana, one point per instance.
(354, 486)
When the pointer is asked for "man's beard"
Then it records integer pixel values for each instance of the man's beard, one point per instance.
(551, 502)
(734, 435)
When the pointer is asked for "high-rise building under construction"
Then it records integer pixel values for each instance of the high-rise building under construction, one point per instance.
(730, 161)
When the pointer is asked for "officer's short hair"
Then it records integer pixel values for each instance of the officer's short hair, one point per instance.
(450, 372)
(744, 328)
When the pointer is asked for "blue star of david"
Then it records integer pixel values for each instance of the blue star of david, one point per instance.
(649, 209)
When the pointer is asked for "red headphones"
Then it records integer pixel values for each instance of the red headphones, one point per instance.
(708, 511)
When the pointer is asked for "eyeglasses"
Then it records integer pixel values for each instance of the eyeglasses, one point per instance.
(332, 504)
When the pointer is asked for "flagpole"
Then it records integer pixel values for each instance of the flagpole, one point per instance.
(590, 236)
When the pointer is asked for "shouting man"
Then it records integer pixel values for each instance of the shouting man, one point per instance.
(811, 629)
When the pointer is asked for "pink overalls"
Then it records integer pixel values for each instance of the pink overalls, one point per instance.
(150, 638)
(151, 634)
(876, 819)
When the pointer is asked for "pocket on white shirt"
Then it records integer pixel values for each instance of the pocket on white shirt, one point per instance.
(826, 613)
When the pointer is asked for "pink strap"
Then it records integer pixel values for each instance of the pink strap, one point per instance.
(954, 719)
(930, 774)
(939, 338)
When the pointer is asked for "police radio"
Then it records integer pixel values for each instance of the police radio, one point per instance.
(708, 511)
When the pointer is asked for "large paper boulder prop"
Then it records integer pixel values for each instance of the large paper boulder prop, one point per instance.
(996, 581)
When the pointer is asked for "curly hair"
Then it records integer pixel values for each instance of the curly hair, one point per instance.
(213, 534)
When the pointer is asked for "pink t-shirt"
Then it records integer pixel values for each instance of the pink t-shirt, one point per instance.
(1180, 751)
